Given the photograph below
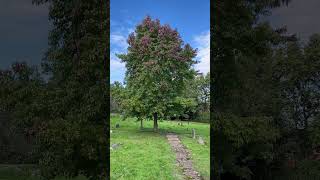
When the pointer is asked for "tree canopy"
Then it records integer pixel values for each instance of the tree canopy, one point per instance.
(158, 65)
(265, 96)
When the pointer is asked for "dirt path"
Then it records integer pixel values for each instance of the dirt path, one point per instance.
(183, 157)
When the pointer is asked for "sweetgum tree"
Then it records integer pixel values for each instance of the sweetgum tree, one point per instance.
(158, 65)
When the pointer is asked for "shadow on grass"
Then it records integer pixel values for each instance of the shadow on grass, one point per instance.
(164, 131)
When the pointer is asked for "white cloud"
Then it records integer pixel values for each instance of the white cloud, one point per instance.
(130, 30)
(120, 31)
(118, 40)
(202, 42)
(117, 68)
(115, 62)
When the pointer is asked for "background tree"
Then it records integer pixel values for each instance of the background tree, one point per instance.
(68, 114)
(20, 85)
(299, 76)
(116, 97)
(182, 108)
(197, 93)
(266, 84)
(247, 90)
(158, 66)
(203, 86)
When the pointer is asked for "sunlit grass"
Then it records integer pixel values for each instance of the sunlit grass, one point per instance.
(147, 155)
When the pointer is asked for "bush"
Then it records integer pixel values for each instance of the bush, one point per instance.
(203, 117)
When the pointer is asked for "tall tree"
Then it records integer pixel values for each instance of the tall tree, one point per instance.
(245, 89)
(158, 65)
(72, 132)
(298, 71)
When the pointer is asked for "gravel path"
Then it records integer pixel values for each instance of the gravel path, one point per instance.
(183, 157)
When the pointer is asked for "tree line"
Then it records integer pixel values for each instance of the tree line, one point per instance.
(193, 104)
(266, 96)
(66, 115)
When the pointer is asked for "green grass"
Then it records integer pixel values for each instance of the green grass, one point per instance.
(148, 155)
(25, 172)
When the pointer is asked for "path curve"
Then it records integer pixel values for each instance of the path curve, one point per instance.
(183, 157)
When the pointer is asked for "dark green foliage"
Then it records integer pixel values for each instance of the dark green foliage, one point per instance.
(192, 104)
(244, 140)
(117, 95)
(182, 107)
(72, 140)
(266, 85)
(20, 85)
(67, 116)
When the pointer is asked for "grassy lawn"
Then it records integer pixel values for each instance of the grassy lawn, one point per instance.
(142, 154)
(24, 172)
(147, 155)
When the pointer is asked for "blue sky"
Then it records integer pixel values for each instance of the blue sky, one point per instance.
(190, 17)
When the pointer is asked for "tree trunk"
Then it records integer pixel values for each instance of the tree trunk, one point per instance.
(155, 122)
(141, 124)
